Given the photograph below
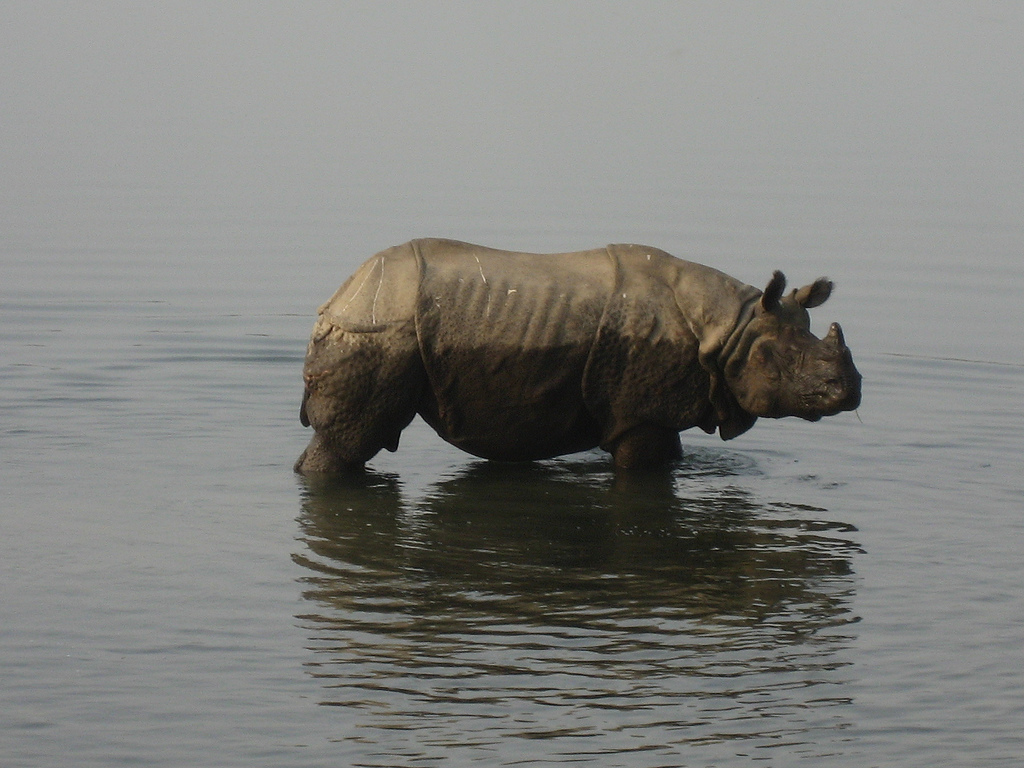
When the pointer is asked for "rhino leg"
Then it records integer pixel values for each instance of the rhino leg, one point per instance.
(362, 390)
(647, 446)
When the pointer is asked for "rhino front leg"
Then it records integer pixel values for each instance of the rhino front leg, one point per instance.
(647, 446)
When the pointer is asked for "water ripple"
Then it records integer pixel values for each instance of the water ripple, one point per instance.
(519, 605)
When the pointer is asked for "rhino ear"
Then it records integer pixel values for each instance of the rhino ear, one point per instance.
(815, 294)
(773, 293)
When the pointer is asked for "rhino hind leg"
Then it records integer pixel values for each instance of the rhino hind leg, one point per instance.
(362, 390)
(647, 446)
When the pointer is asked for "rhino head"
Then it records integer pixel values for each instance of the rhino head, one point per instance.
(777, 367)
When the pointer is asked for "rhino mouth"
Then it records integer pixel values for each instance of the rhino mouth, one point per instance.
(835, 396)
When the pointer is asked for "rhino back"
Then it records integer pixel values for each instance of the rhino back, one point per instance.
(505, 339)
(380, 294)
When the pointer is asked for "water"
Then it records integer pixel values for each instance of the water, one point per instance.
(547, 615)
(847, 590)
(844, 593)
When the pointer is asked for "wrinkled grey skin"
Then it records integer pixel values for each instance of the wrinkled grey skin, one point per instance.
(518, 357)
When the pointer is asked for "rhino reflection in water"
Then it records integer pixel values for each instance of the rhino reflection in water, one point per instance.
(516, 356)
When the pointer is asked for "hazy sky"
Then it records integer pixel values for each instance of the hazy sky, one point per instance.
(510, 92)
(262, 145)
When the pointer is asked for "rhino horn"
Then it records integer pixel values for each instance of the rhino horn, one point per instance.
(835, 336)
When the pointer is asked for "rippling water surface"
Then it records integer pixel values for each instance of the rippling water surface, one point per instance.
(845, 591)
(552, 613)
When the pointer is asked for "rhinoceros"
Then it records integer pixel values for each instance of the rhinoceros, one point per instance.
(524, 356)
